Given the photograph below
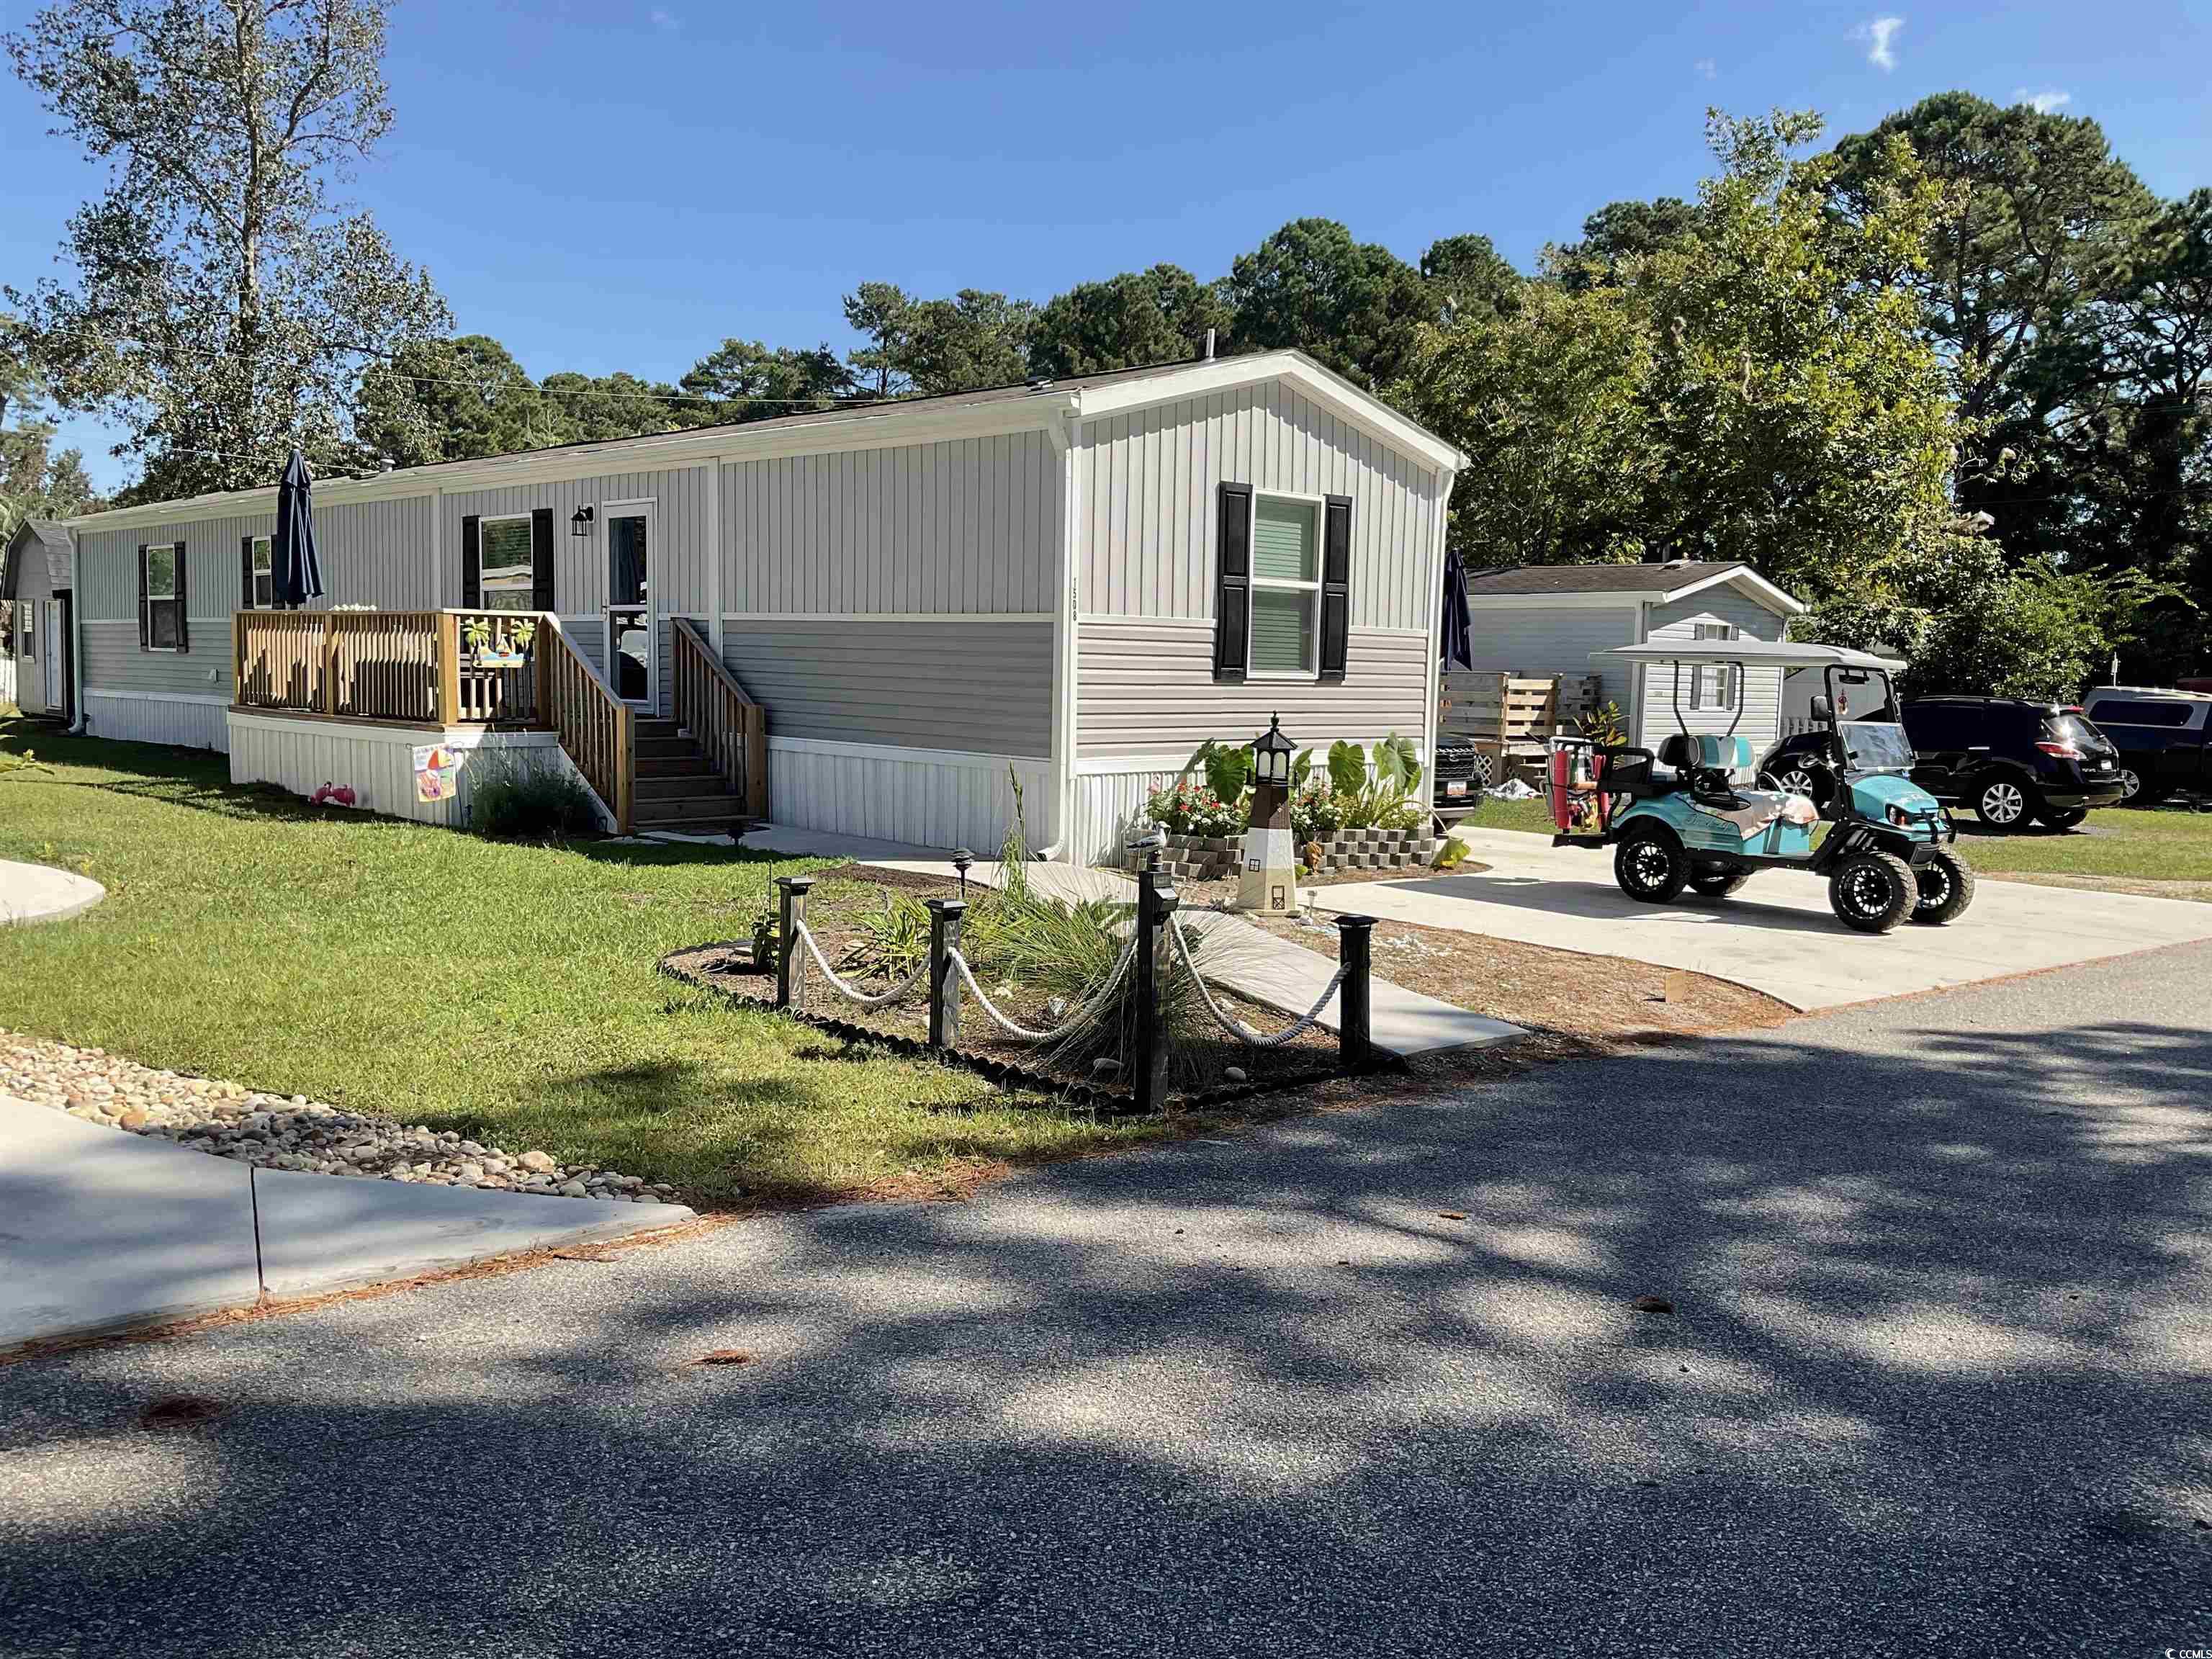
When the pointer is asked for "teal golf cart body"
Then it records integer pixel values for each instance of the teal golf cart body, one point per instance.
(1685, 817)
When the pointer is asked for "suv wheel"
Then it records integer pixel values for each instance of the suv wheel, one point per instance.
(2130, 785)
(1810, 782)
(2002, 804)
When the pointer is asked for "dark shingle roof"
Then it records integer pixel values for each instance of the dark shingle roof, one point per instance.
(35, 539)
(1597, 578)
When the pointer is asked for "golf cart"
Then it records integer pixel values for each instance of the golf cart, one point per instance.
(1677, 818)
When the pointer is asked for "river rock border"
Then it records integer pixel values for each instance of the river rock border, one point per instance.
(289, 1132)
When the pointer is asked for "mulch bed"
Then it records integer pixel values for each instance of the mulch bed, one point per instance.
(1199, 1063)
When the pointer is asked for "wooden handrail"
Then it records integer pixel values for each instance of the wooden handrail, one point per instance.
(715, 708)
(410, 666)
(575, 700)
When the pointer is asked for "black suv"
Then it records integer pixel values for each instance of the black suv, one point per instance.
(2012, 760)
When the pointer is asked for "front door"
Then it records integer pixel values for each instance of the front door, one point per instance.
(632, 665)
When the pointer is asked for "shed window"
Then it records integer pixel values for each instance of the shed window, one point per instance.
(506, 564)
(163, 622)
(27, 632)
(1715, 685)
(1285, 588)
(263, 557)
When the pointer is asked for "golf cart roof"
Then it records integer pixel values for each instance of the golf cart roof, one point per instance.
(1769, 652)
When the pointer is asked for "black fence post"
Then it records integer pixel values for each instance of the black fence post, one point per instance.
(944, 917)
(1355, 1045)
(1148, 1048)
(791, 913)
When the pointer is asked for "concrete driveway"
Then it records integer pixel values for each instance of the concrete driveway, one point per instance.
(1777, 934)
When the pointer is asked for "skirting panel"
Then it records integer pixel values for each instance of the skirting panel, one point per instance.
(1108, 805)
(155, 720)
(924, 797)
(377, 762)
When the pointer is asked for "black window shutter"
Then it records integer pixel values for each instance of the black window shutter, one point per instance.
(145, 621)
(1335, 586)
(541, 559)
(245, 572)
(183, 605)
(1232, 581)
(471, 565)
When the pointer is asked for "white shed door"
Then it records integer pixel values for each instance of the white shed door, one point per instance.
(50, 654)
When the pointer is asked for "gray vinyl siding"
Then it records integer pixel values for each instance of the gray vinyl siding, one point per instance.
(1150, 500)
(1546, 642)
(1762, 687)
(675, 568)
(983, 688)
(373, 553)
(967, 525)
(1146, 687)
(113, 662)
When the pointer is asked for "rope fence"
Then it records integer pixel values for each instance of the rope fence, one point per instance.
(1156, 941)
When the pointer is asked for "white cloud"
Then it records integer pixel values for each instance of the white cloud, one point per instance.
(1878, 34)
(1707, 70)
(666, 21)
(2044, 102)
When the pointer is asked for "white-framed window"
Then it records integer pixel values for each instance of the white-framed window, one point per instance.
(504, 562)
(1284, 639)
(1719, 685)
(27, 632)
(164, 613)
(263, 555)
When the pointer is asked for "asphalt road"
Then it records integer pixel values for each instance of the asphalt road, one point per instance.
(1939, 1379)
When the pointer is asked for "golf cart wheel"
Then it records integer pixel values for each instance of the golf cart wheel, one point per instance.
(1873, 891)
(2051, 817)
(1718, 883)
(2130, 785)
(1945, 889)
(1650, 865)
(2004, 804)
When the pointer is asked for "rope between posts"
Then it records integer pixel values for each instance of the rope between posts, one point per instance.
(1082, 1015)
(865, 999)
(1228, 1022)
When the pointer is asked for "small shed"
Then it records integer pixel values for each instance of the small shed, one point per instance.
(1547, 621)
(35, 585)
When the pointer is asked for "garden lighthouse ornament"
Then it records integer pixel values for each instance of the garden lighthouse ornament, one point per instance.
(1268, 882)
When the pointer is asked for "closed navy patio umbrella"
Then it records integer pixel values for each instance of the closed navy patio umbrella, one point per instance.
(1453, 640)
(296, 569)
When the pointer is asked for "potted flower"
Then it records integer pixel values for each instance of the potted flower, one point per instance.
(496, 646)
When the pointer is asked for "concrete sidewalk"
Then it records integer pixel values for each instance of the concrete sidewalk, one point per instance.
(101, 1229)
(1263, 967)
(1778, 934)
(36, 892)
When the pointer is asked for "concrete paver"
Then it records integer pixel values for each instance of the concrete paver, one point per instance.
(37, 892)
(1777, 934)
(101, 1229)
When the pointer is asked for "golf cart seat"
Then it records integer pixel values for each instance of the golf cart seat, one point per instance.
(1705, 762)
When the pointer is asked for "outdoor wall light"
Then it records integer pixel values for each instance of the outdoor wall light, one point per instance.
(579, 522)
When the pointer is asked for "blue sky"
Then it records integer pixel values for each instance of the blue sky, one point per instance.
(610, 186)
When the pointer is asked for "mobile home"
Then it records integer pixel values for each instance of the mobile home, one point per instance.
(879, 620)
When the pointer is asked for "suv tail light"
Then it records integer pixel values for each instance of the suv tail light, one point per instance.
(2063, 751)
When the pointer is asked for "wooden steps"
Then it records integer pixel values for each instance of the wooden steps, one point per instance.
(677, 787)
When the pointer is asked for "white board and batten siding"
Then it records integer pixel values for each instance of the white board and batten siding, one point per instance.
(1761, 689)
(1145, 695)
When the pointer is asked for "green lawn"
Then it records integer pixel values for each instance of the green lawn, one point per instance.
(2115, 844)
(504, 991)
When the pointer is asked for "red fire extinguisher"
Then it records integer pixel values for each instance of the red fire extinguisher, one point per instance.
(1560, 773)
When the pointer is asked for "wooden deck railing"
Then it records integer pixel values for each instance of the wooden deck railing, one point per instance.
(721, 715)
(575, 700)
(410, 667)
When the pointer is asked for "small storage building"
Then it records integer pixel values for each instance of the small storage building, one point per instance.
(1549, 621)
(36, 587)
